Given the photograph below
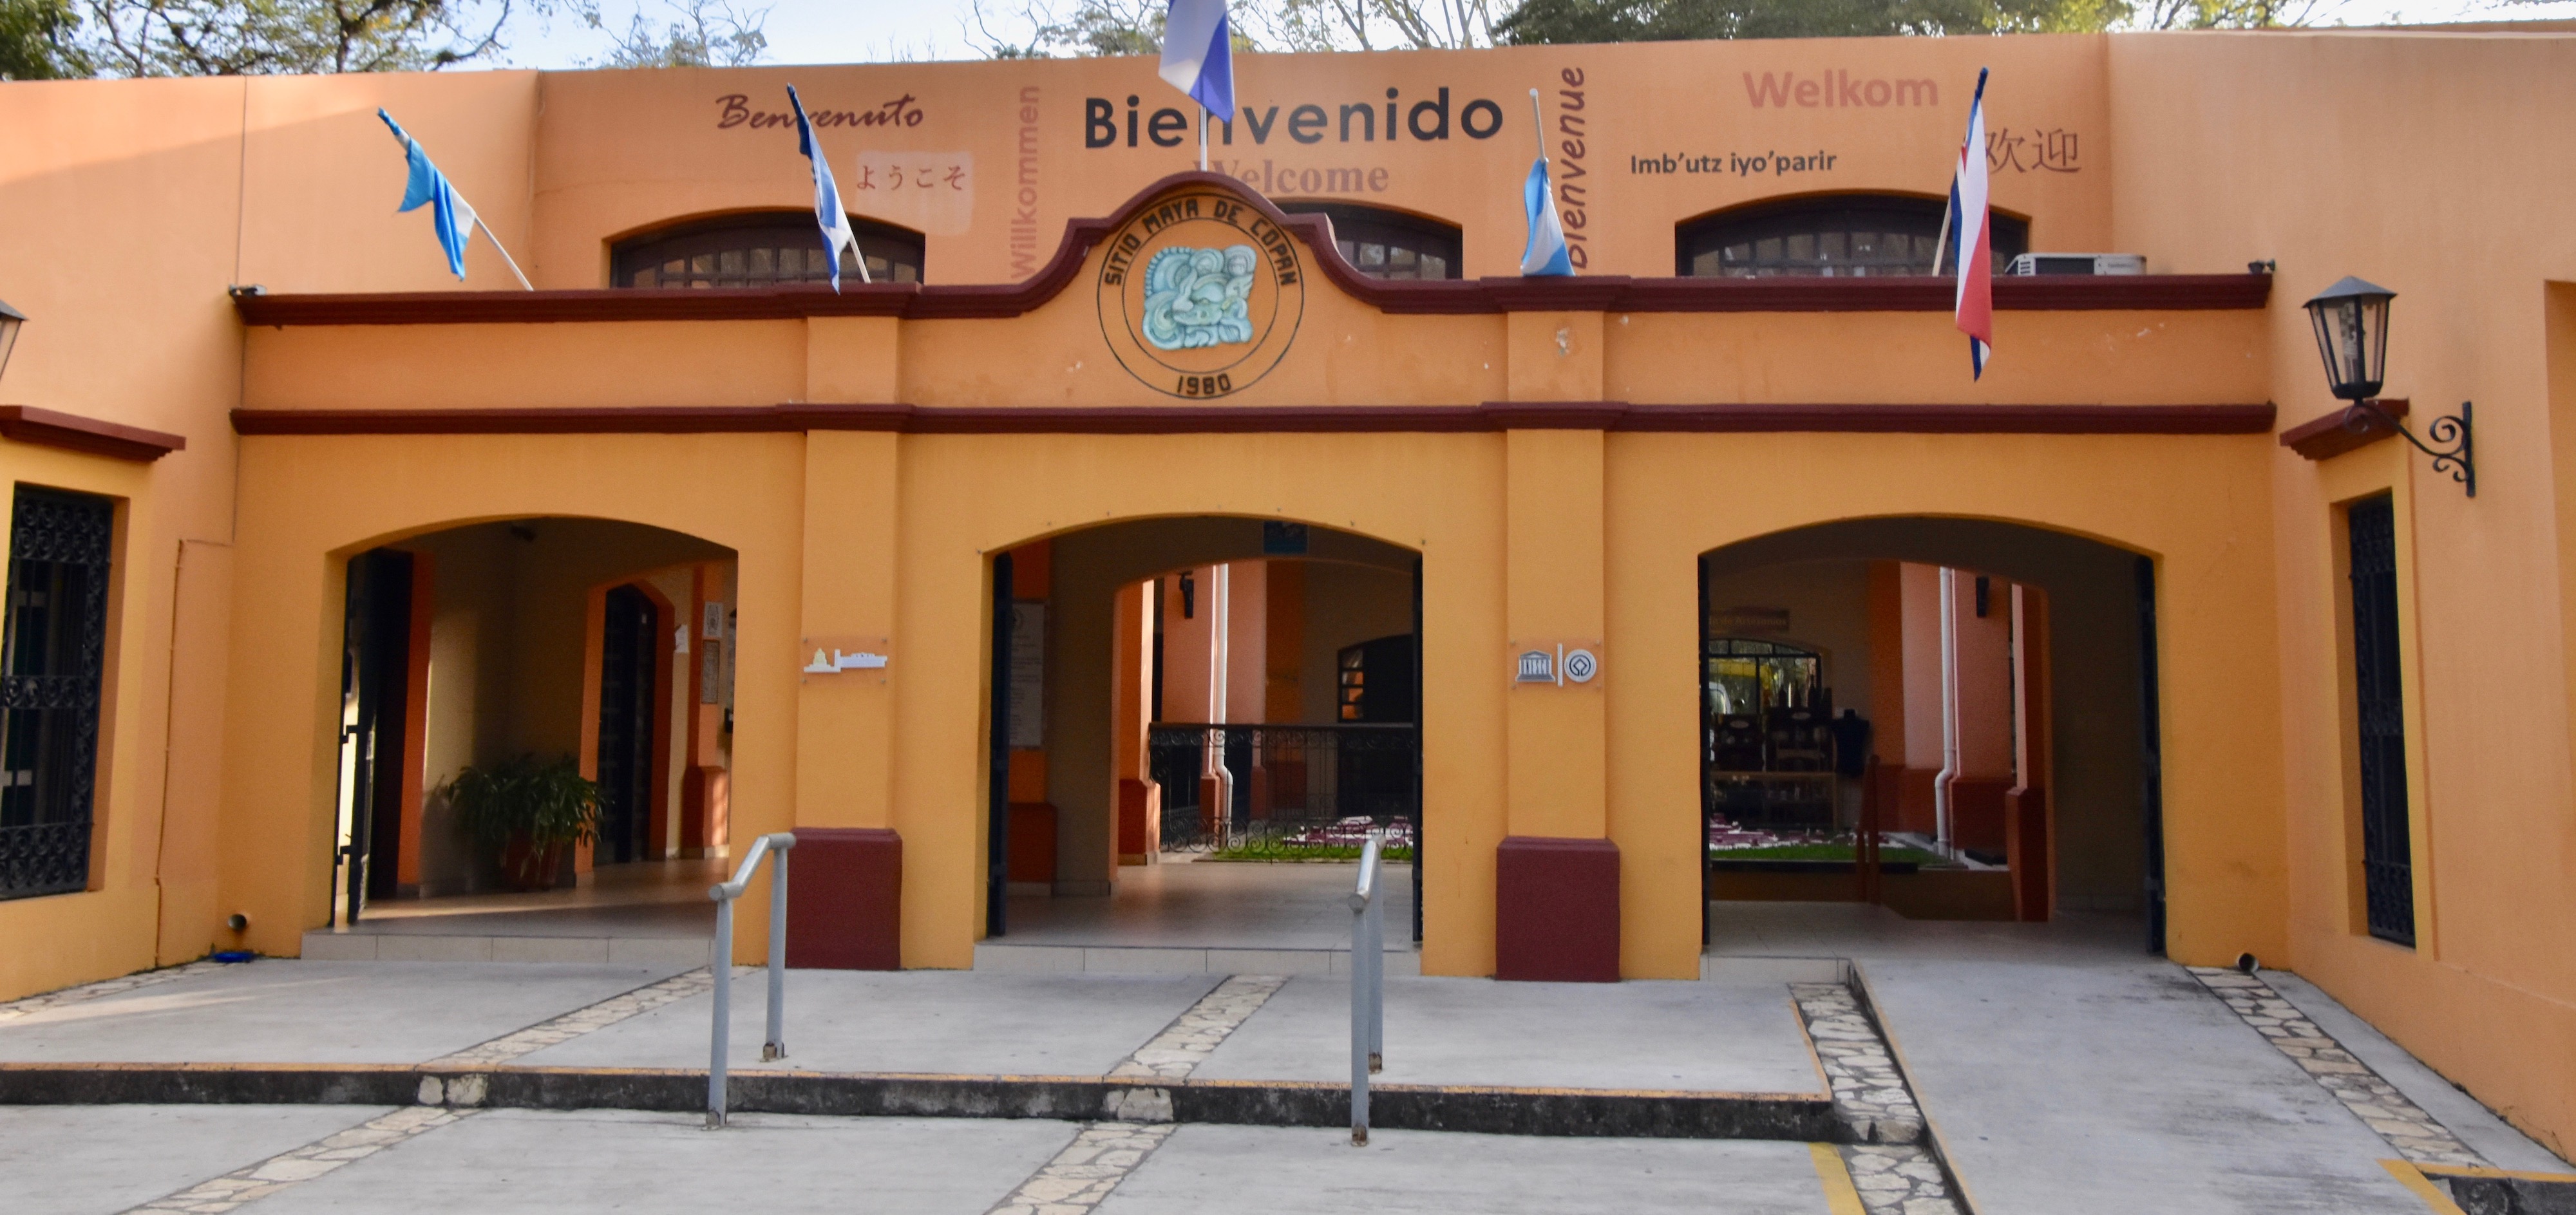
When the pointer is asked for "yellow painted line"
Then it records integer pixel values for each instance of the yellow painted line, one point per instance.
(1841, 1196)
(2462, 1170)
(2413, 1178)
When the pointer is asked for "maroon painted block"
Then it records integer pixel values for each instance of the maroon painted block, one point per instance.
(845, 899)
(1556, 910)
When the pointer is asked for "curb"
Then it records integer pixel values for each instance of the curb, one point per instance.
(1647, 1114)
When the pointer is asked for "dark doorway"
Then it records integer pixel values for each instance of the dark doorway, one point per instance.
(52, 655)
(375, 662)
(2151, 747)
(2387, 844)
(629, 630)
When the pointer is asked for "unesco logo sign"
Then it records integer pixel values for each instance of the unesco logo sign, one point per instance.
(1200, 295)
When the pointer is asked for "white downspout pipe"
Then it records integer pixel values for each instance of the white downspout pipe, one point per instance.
(1220, 606)
(1949, 709)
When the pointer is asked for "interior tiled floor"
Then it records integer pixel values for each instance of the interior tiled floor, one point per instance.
(1186, 902)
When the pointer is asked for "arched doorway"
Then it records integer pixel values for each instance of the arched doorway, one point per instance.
(592, 657)
(1970, 702)
(1195, 723)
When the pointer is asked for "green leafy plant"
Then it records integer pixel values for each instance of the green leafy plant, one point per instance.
(531, 810)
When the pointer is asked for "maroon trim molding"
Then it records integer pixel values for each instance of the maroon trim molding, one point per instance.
(71, 432)
(2327, 437)
(1489, 417)
(914, 301)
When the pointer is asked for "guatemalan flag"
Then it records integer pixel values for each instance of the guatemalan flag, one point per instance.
(1545, 253)
(828, 212)
(1198, 54)
(448, 213)
(1976, 295)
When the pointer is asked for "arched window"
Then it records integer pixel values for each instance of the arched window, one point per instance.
(1388, 244)
(761, 249)
(1844, 235)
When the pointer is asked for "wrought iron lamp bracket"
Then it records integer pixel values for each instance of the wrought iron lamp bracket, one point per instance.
(2457, 459)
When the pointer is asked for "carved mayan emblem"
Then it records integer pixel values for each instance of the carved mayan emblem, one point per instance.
(1199, 297)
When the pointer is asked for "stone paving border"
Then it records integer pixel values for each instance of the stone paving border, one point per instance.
(295, 1165)
(1100, 1156)
(583, 1020)
(2416, 1135)
(1888, 1152)
(31, 1005)
(1194, 1035)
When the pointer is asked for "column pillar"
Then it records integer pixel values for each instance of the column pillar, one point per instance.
(1556, 890)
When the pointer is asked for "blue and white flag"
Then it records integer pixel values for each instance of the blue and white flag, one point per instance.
(1198, 54)
(828, 212)
(454, 220)
(1545, 253)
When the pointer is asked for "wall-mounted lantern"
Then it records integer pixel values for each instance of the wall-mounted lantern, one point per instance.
(10, 319)
(2351, 320)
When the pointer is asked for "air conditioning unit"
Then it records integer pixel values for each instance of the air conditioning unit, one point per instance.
(2078, 263)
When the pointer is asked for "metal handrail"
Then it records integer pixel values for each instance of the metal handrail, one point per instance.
(1368, 987)
(773, 846)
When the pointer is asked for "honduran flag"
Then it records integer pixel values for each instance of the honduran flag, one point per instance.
(1198, 54)
(1545, 253)
(449, 215)
(829, 214)
(1975, 306)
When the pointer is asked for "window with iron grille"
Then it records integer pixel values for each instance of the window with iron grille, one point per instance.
(1835, 236)
(2387, 846)
(1388, 244)
(763, 249)
(53, 645)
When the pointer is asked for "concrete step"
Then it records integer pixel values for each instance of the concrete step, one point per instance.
(1005, 957)
(326, 945)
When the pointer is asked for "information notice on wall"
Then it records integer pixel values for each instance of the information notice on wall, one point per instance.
(1028, 676)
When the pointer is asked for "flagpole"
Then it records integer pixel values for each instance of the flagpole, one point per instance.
(504, 251)
(1203, 139)
(1538, 124)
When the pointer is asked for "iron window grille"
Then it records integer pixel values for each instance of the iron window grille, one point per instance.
(53, 646)
(763, 249)
(1388, 244)
(2387, 846)
(1835, 236)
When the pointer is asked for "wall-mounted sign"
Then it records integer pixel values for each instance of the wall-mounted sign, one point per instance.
(840, 655)
(1200, 295)
(1556, 665)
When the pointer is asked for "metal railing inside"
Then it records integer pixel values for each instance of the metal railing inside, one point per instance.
(774, 848)
(1316, 789)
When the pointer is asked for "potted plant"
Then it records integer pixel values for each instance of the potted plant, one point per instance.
(531, 811)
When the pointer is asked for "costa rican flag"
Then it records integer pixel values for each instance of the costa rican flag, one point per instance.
(829, 215)
(1975, 309)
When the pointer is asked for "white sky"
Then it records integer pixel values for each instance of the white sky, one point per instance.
(862, 31)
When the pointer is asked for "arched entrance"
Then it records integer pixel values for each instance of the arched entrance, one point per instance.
(591, 658)
(1195, 722)
(1970, 704)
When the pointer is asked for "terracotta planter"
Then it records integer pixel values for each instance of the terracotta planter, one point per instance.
(530, 866)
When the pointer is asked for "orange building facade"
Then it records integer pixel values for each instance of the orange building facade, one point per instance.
(931, 569)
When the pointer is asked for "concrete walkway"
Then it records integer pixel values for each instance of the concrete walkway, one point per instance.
(2067, 1070)
(1188, 914)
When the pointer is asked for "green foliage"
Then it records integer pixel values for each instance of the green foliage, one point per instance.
(705, 33)
(36, 41)
(1564, 21)
(548, 802)
(1278, 850)
(267, 37)
(1820, 852)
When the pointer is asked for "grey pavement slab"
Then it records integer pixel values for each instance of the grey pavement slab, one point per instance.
(289, 1011)
(1234, 1169)
(2475, 1124)
(2067, 1070)
(1717, 1035)
(1202, 904)
(528, 1162)
(908, 1021)
(101, 1159)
